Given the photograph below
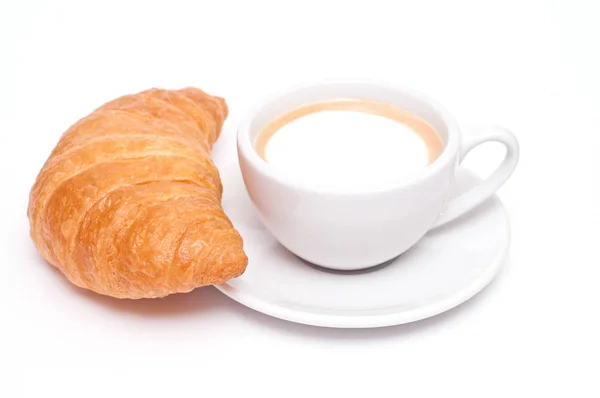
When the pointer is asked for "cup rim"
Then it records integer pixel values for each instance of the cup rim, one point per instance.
(246, 147)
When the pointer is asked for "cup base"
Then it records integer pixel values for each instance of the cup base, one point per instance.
(361, 270)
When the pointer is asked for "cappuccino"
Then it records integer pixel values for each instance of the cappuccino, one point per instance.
(348, 145)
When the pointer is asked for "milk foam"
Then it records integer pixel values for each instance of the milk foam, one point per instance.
(347, 150)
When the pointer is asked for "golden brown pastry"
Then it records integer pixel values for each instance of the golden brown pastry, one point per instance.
(129, 202)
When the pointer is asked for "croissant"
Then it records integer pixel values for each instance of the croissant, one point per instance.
(129, 202)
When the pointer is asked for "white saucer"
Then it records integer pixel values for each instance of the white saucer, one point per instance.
(447, 267)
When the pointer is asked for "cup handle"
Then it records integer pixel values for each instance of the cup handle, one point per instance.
(478, 194)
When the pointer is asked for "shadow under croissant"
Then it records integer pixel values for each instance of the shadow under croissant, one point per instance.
(201, 300)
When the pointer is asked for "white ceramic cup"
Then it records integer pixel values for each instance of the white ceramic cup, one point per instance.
(349, 231)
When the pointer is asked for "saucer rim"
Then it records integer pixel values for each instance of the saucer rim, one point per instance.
(366, 318)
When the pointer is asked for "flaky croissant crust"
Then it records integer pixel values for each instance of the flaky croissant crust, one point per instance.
(128, 203)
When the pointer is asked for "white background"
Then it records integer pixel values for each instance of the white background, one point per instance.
(532, 66)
